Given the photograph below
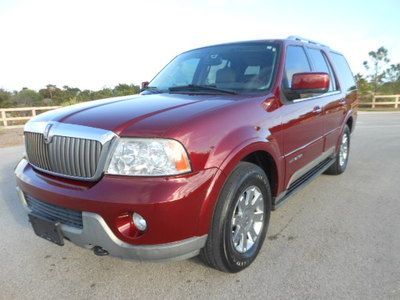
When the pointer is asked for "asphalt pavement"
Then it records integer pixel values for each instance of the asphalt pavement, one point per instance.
(337, 238)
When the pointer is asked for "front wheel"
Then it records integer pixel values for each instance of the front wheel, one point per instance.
(342, 157)
(240, 220)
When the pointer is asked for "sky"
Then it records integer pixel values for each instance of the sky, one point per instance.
(91, 44)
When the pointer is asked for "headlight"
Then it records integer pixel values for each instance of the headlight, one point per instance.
(148, 157)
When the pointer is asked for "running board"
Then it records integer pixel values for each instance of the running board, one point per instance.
(301, 182)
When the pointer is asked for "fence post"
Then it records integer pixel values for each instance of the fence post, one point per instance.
(396, 104)
(373, 101)
(33, 112)
(4, 118)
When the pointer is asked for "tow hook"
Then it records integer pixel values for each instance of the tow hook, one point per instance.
(97, 250)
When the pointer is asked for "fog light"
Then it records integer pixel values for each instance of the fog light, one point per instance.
(139, 222)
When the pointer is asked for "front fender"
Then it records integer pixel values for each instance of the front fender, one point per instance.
(227, 165)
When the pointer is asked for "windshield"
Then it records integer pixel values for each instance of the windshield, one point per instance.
(245, 67)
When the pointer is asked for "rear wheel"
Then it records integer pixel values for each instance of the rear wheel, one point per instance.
(342, 156)
(240, 220)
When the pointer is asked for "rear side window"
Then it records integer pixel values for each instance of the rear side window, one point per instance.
(296, 62)
(346, 78)
(321, 64)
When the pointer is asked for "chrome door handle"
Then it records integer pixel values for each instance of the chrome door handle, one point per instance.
(317, 109)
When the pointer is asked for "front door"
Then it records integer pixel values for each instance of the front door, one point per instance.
(302, 120)
(333, 100)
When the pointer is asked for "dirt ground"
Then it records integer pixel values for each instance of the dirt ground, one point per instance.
(11, 137)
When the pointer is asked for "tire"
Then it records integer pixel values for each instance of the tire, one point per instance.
(340, 164)
(229, 246)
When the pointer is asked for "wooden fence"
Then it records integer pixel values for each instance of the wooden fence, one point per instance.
(379, 101)
(16, 117)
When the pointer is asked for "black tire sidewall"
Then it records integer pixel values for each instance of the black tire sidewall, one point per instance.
(234, 260)
(346, 131)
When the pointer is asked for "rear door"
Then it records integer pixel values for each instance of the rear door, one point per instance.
(347, 87)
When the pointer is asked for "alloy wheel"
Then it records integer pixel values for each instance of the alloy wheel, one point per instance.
(247, 220)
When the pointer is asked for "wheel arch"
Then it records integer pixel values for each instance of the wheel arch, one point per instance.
(266, 162)
(264, 154)
(349, 122)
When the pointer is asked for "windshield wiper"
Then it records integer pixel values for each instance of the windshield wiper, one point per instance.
(152, 90)
(199, 88)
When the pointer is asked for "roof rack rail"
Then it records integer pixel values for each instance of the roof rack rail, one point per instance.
(301, 39)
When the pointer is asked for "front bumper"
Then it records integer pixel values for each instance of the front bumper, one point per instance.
(95, 232)
(172, 207)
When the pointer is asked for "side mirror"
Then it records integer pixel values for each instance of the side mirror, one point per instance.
(144, 85)
(305, 83)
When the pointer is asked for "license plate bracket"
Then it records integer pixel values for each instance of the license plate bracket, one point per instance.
(47, 229)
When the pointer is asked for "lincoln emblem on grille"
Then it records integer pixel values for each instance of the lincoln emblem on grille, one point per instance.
(46, 133)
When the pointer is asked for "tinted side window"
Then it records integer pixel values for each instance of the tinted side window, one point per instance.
(296, 62)
(346, 78)
(321, 65)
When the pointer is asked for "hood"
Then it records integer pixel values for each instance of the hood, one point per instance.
(137, 115)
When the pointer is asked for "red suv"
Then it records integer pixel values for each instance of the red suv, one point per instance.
(196, 162)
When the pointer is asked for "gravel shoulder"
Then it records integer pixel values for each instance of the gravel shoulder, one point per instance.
(11, 137)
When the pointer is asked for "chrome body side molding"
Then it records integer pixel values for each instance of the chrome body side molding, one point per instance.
(300, 172)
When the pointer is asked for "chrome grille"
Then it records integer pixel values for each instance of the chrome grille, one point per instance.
(55, 213)
(70, 156)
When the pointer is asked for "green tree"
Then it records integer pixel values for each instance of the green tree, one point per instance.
(376, 65)
(101, 94)
(83, 96)
(125, 89)
(51, 91)
(364, 87)
(390, 88)
(26, 97)
(52, 95)
(393, 73)
(66, 94)
(5, 98)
